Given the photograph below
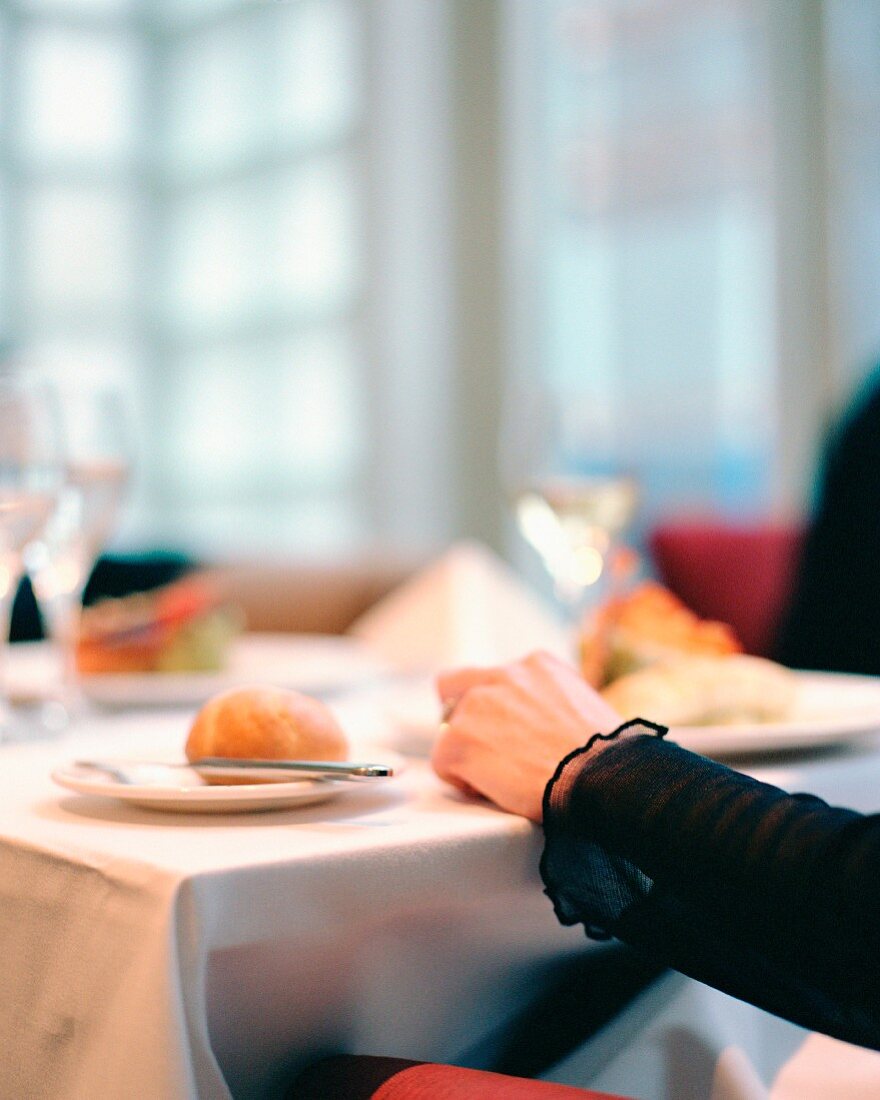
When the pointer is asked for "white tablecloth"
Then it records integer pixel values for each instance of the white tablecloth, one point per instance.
(164, 957)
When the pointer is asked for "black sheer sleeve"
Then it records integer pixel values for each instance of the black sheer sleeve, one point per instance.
(773, 898)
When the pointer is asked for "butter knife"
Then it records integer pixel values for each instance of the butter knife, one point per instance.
(242, 768)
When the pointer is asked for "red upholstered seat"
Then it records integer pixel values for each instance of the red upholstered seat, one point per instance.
(742, 575)
(365, 1077)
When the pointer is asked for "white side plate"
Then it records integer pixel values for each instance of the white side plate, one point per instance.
(181, 790)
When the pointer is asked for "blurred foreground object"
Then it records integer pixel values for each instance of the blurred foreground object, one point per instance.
(181, 627)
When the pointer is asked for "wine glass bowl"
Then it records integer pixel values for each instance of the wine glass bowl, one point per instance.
(31, 465)
(96, 474)
(31, 479)
(572, 501)
(575, 523)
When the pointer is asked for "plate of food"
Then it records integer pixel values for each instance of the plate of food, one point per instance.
(827, 709)
(651, 657)
(179, 645)
(822, 709)
(248, 750)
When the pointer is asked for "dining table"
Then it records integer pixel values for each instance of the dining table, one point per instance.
(158, 954)
(173, 955)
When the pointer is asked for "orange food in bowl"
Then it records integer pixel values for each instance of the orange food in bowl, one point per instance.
(267, 724)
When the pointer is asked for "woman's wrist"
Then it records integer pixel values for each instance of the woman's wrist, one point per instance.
(577, 763)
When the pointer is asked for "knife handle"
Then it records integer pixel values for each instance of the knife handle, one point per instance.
(343, 769)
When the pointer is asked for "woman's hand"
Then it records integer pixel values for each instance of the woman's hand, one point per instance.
(507, 728)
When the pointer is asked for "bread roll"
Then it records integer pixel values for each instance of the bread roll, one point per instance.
(265, 724)
(690, 691)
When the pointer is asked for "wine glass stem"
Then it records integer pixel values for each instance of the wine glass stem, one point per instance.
(63, 622)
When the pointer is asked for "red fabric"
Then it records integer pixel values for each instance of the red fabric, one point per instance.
(741, 575)
(436, 1082)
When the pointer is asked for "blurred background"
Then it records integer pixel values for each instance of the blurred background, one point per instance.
(324, 244)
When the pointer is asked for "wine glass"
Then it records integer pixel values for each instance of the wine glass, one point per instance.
(97, 468)
(573, 502)
(31, 478)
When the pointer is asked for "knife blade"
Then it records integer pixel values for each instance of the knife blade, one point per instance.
(217, 766)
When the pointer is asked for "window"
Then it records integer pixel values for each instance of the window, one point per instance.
(181, 194)
(279, 222)
(72, 110)
(655, 300)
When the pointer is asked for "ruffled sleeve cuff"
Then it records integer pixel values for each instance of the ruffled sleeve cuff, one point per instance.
(586, 883)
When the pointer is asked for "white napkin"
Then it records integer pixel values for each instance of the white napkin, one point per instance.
(466, 608)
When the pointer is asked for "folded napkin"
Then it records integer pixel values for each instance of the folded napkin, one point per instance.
(466, 608)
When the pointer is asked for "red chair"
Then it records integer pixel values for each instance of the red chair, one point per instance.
(739, 574)
(366, 1077)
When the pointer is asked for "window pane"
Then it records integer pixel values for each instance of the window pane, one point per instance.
(316, 260)
(211, 529)
(181, 11)
(316, 413)
(318, 67)
(4, 67)
(282, 72)
(216, 442)
(260, 442)
(79, 250)
(78, 94)
(4, 267)
(218, 105)
(77, 7)
(64, 358)
(264, 246)
(657, 282)
(291, 410)
(217, 256)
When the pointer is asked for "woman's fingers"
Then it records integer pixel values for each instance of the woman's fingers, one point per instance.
(452, 684)
(506, 729)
